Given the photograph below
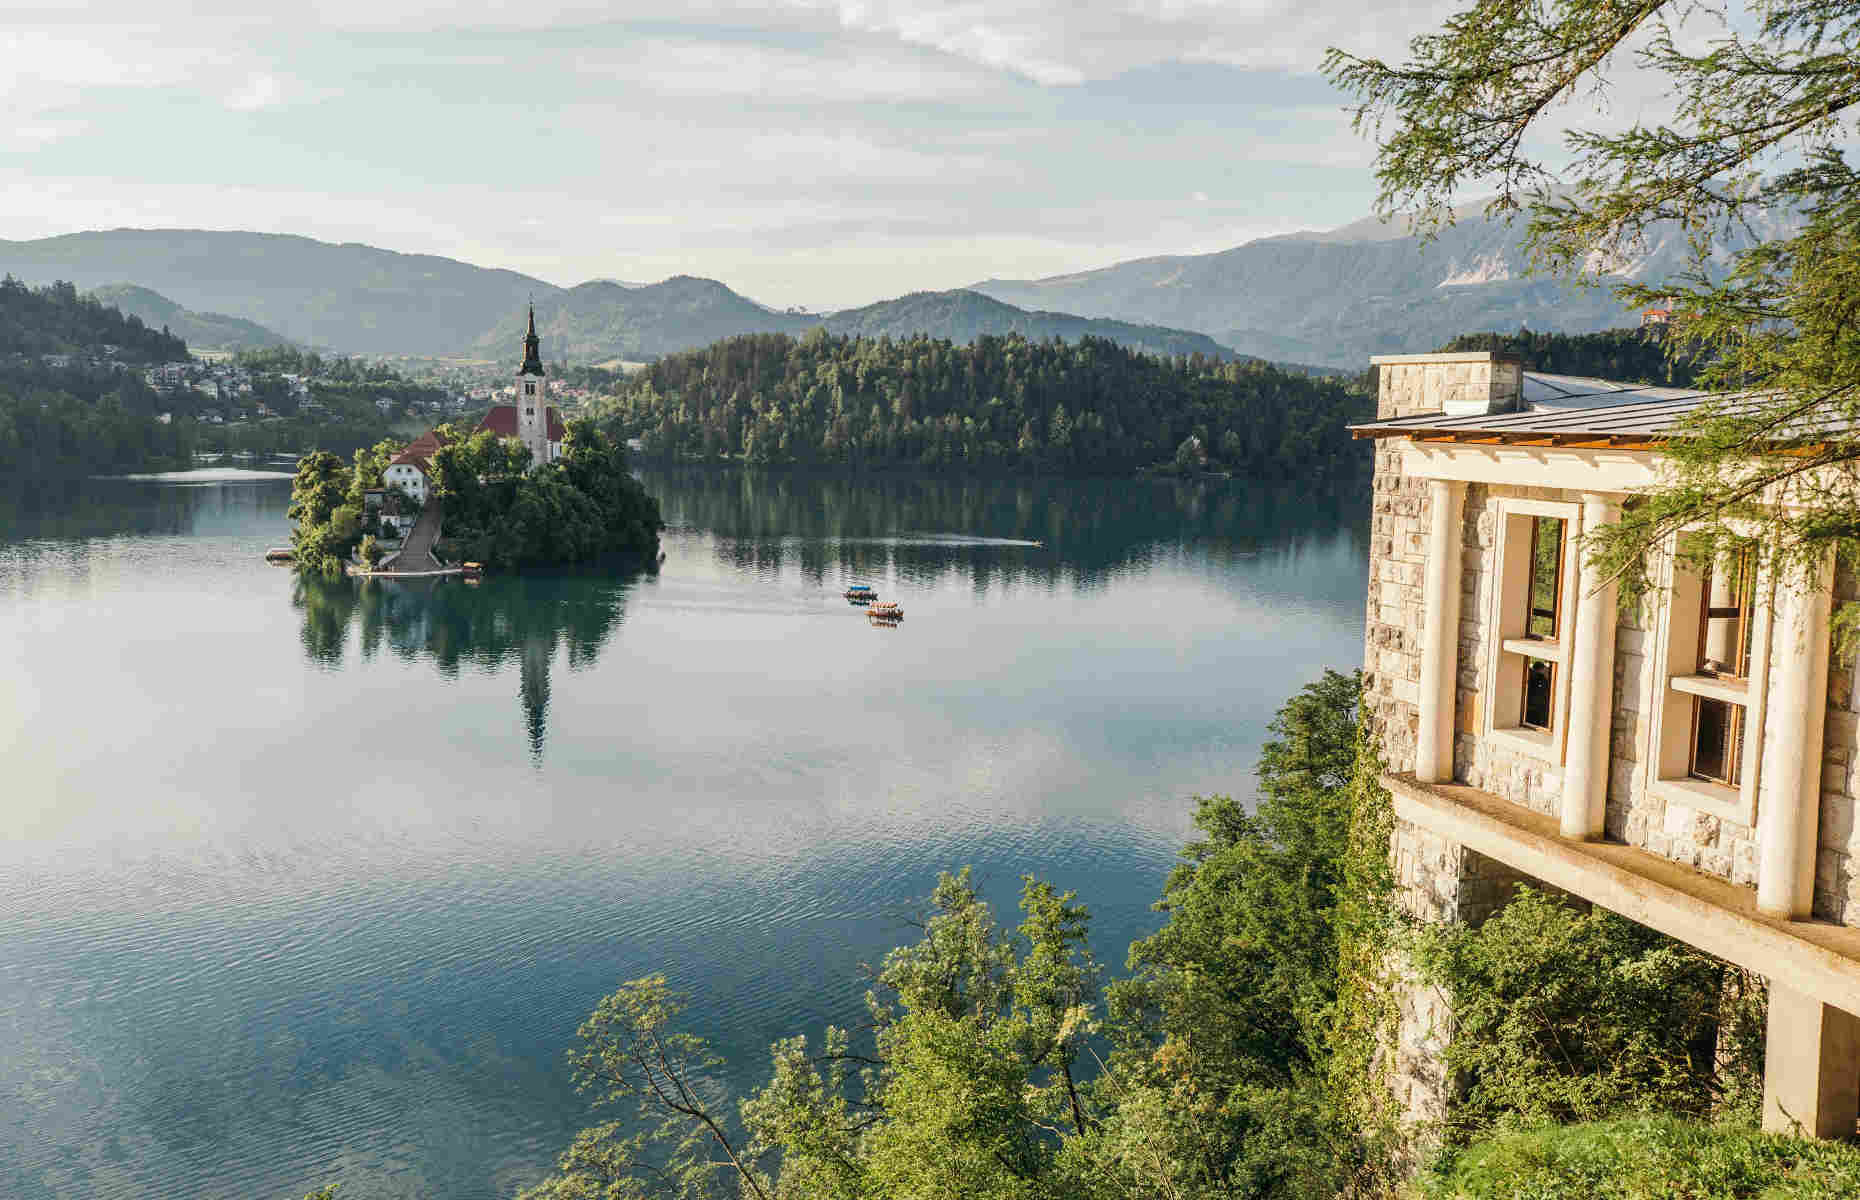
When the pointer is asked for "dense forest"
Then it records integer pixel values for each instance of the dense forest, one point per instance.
(1627, 355)
(79, 416)
(1002, 403)
(56, 320)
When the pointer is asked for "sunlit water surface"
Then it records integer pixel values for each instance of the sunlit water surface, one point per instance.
(314, 882)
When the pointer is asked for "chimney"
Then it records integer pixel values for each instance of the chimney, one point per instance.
(1457, 385)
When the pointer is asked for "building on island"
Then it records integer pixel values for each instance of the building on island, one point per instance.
(531, 419)
(1691, 763)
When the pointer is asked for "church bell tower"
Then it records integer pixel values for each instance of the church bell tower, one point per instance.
(533, 398)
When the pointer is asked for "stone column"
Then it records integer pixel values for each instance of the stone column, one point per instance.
(1811, 1067)
(1440, 638)
(1789, 802)
(1591, 690)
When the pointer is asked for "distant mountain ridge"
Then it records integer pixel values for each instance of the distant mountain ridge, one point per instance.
(1338, 297)
(201, 331)
(363, 300)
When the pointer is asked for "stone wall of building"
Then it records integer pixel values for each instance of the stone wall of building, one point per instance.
(1637, 813)
(1433, 383)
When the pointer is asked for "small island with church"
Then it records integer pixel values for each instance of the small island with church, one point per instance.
(524, 488)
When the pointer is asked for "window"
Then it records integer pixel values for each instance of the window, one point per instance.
(529, 388)
(1536, 561)
(1711, 713)
(1726, 597)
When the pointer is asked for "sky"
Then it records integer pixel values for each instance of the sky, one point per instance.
(822, 153)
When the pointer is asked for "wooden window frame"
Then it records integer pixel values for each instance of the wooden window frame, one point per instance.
(1681, 610)
(1507, 626)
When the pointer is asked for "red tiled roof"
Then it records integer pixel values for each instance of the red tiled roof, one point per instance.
(502, 420)
(420, 451)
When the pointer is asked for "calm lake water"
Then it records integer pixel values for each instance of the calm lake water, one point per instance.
(313, 881)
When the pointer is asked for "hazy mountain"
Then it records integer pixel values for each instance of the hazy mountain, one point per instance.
(201, 331)
(962, 316)
(603, 320)
(359, 299)
(345, 297)
(1338, 297)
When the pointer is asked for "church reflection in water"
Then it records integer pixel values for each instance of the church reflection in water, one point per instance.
(456, 625)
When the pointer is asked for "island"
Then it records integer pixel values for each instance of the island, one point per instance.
(524, 488)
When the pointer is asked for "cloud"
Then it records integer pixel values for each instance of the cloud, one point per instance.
(259, 91)
(1064, 42)
(849, 74)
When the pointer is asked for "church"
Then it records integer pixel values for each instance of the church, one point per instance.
(531, 420)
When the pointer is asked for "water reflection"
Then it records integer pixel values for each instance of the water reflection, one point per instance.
(486, 624)
(1080, 532)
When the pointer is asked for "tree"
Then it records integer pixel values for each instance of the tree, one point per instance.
(1749, 167)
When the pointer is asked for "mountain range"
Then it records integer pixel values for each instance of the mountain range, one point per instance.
(1332, 298)
(363, 300)
(1368, 288)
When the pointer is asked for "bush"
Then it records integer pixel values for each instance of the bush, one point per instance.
(1648, 1158)
(371, 551)
(1565, 1014)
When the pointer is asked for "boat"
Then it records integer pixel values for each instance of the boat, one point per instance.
(860, 593)
(280, 556)
(471, 570)
(888, 611)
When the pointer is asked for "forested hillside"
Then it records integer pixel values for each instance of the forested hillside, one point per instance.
(58, 415)
(202, 330)
(56, 320)
(1003, 403)
(1627, 355)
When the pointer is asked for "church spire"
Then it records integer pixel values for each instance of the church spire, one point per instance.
(532, 348)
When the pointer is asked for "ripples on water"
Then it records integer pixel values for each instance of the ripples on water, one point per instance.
(313, 881)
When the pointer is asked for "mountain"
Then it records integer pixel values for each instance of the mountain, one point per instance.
(962, 316)
(1338, 297)
(201, 331)
(362, 300)
(603, 320)
(348, 297)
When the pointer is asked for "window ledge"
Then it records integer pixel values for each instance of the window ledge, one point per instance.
(1536, 743)
(1716, 799)
(1713, 688)
(1542, 648)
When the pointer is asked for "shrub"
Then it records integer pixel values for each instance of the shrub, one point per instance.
(1565, 1014)
(1647, 1158)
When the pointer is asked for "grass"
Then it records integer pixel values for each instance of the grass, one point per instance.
(1647, 1159)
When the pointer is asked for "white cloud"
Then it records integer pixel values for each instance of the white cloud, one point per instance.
(259, 91)
(690, 67)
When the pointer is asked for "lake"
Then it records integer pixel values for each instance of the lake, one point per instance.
(310, 881)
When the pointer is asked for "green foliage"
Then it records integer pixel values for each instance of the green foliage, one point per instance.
(500, 512)
(57, 320)
(1647, 1158)
(1003, 403)
(370, 551)
(327, 525)
(1568, 1015)
(1629, 355)
(1750, 167)
(81, 416)
(984, 1076)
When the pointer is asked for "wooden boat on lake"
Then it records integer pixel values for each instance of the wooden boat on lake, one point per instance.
(887, 612)
(280, 556)
(860, 593)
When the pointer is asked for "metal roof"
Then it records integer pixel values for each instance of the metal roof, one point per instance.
(1563, 409)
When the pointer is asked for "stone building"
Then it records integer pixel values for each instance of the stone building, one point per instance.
(1690, 761)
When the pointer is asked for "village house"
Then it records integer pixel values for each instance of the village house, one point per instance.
(1690, 761)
